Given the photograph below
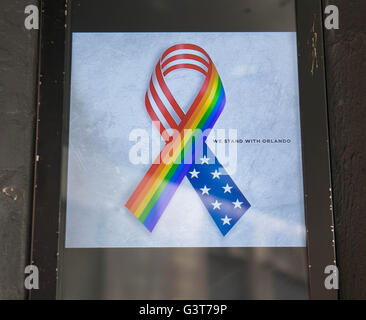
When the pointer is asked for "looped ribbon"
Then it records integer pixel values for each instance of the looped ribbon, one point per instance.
(218, 192)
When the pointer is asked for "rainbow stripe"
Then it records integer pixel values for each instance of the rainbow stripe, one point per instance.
(159, 184)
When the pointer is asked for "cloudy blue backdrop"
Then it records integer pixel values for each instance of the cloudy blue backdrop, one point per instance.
(110, 74)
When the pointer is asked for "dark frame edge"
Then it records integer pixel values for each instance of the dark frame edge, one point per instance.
(45, 221)
(315, 139)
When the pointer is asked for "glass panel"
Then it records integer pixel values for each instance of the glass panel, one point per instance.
(184, 173)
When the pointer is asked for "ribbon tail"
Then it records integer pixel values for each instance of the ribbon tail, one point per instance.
(218, 192)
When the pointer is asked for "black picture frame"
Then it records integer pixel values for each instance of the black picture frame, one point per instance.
(50, 142)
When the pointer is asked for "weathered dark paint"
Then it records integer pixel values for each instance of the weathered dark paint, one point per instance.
(18, 63)
(315, 147)
(346, 82)
(45, 218)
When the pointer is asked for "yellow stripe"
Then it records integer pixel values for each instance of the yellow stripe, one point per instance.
(160, 177)
(191, 124)
(158, 172)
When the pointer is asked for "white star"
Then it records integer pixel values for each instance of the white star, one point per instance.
(237, 204)
(194, 173)
(216, 205)
(227, 188)
(226, 220)
(205, 190)
(216, 174)
(204, 160)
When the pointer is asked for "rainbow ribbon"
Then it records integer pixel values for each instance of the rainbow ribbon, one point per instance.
(159, 184)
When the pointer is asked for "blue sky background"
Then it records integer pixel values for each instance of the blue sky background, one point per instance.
(110, 75)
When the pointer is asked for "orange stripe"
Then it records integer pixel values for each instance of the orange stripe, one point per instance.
(153, 175)
(166, 169)
(139, 191)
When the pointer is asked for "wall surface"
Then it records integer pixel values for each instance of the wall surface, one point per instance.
(346, 75)
(346, 80)
(18, 62)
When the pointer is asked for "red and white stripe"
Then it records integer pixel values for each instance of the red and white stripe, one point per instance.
(160, 103)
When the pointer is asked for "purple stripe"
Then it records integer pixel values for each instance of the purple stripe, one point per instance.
(163, 200)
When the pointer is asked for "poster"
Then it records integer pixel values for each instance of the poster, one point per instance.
(256, 139)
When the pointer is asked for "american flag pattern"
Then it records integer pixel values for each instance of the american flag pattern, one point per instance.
(218, 192)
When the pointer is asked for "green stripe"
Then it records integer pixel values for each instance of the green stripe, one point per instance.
(182, 154)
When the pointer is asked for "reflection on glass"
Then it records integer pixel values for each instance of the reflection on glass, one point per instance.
(186, 273)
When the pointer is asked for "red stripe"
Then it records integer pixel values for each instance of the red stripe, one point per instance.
(166, 91)
(184, 66)
(184, 56)
(155, 164)
(154, 167)
(198, 98)
(155, 118)
(185, 46)
(161, 107)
